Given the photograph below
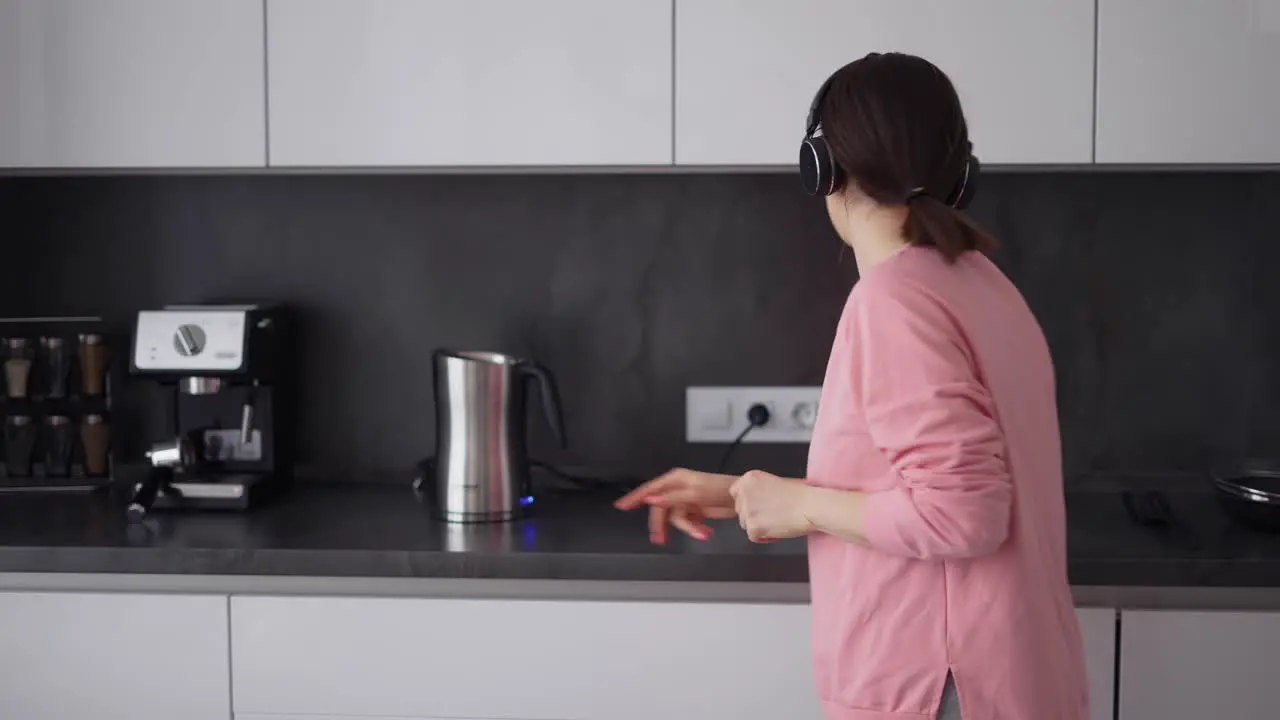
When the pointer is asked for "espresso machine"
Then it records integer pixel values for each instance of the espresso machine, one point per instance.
(228, 376)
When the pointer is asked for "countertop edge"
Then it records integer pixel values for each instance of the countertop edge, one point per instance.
(476, 588)
(1125, 598)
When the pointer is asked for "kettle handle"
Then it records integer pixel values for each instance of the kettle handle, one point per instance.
(550, 398)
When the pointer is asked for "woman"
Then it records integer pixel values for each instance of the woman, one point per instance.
(933, 502)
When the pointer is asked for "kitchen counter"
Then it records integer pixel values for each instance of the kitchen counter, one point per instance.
(373, 533)
(374, 530)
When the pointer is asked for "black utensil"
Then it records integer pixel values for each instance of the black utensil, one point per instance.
(1151, 509)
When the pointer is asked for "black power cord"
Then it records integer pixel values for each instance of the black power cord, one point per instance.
(758, 415)
(587, 482)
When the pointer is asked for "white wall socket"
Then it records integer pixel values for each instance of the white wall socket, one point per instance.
(719, 414)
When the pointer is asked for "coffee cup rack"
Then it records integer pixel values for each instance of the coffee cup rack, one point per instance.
(55, 403)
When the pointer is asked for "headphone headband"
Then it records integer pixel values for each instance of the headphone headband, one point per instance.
(820, 174)
(815, 106)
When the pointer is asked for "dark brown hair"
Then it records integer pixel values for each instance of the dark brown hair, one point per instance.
(896, 129)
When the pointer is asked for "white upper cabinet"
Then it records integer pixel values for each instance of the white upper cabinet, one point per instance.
(746, 71)
(575, 83)
(1189, 81)
(131, 83)
(480, 82)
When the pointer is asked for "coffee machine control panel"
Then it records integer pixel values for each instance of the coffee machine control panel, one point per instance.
(195, 341)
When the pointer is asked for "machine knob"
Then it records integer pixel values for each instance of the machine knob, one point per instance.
(189, 340)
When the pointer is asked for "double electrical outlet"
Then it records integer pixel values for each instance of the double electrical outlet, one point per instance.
(719, 414)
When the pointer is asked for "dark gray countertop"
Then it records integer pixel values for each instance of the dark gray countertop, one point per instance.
(383, 531)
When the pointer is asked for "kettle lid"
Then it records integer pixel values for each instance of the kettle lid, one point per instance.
(481, 356)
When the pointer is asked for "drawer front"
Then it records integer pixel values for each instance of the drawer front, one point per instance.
(71, 655)
(513, 660)
(256, 716)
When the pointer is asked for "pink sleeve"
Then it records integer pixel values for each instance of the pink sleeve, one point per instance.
(935, 423)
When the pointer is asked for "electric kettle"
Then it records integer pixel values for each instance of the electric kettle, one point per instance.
(481, 464)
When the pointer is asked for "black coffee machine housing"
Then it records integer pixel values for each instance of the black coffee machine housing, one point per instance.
(229, 373)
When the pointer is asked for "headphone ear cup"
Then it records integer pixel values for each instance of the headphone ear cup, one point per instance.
(819, 173)
(968, 187)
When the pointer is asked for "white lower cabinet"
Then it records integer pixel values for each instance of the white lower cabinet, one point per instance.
(1188, 665)
(296, 658)
(86, 656)
(73, 656)
(519, 660)
(1098, 628)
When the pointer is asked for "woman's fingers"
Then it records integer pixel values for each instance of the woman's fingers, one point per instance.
(635, 498)
(679, 499)
(654, 488)
(686, 521)
(675, 497)
(658, 525)
(665, 494)
(689, 523)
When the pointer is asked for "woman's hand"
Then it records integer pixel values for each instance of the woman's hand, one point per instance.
(685, 499)
(771, 508)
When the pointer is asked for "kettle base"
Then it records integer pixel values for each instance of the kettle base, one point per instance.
(481, 518)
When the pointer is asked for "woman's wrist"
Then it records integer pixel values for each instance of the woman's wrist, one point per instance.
(810, 503)
(812, 506)
(834, 512)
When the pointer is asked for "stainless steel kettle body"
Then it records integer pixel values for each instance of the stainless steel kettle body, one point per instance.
(481, 462)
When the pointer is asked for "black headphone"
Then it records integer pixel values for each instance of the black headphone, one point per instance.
(822, 175)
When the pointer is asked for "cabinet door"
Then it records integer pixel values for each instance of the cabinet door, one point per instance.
(746, 71)
(1188, 81)
(1196, 665)
(1098, 627)
(131, 83)
(520, 659)
(256, 716)
(67, 656)
(481, 82)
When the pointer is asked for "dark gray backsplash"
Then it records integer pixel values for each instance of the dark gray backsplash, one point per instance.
(1160, 295)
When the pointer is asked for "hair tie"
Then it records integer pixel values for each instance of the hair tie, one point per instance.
(913, 193)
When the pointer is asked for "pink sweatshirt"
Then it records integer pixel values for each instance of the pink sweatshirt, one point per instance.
(939, 402)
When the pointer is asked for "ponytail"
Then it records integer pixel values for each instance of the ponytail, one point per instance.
(933, 223)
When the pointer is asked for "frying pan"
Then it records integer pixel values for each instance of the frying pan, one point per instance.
(1251, 495)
